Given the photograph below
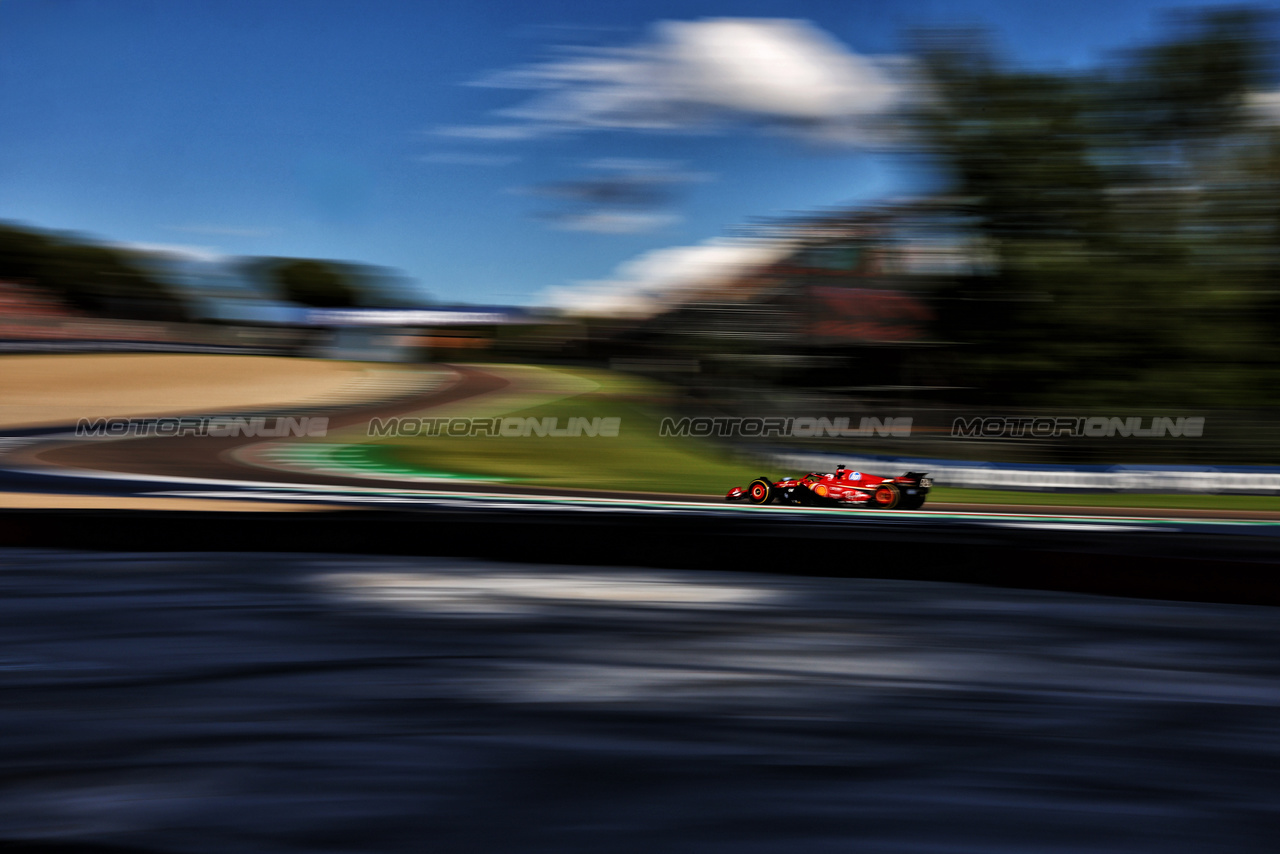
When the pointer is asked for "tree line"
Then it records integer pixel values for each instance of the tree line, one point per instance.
(113, 281)
(1132, 212)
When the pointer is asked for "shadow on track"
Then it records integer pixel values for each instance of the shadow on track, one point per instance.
(265, 702)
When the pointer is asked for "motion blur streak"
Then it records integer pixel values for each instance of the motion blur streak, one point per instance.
(181, 702)
(525, 592)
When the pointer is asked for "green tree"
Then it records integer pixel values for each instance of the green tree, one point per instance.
(320, 284)
(88, 276)
(1107, 200)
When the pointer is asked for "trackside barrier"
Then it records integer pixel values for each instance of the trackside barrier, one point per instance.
(1260, 481)
(1206, 561)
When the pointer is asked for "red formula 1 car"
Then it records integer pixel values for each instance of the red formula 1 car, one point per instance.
(844, 488)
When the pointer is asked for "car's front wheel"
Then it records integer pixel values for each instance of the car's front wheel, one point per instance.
(760, 491)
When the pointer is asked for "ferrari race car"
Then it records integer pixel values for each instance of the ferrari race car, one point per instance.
(843, 488)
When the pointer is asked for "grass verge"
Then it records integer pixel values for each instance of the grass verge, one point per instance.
(637, 459)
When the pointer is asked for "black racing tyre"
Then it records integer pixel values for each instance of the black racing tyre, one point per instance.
(911, 502)
(886, 496)
(760, 491)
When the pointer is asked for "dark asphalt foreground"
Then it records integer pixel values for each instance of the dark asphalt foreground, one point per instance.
(291, 703)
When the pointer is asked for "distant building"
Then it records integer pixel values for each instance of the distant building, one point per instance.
(411, 334)
(848, 305)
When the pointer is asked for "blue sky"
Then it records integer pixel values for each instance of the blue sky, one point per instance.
(355, 131)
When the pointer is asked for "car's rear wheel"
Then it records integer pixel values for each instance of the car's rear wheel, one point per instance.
(911, 502)
(760, 491)
(886, 496)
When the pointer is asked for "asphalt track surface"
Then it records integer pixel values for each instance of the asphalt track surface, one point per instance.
(171, 702)
(168, 465)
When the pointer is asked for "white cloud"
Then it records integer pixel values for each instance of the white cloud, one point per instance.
(648, 169)
(622, 195)
(648, 284)
(614, 222)
(202, 254)
(697, 76)
(622, 184)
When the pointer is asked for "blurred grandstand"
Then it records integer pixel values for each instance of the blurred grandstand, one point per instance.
(847, 303)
